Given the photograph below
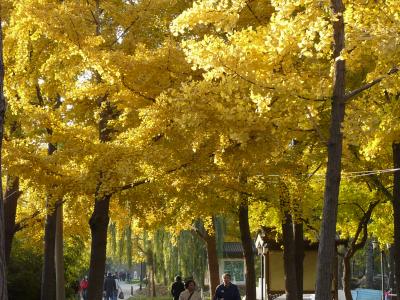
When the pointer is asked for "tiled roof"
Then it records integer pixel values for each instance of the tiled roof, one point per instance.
(233, 247)
(233, 250)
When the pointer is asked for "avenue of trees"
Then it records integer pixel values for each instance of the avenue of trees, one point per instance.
(131, 127)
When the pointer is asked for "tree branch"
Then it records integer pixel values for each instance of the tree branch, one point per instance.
(252, 12)
(132, 185)
(146, 180)
(22, 224)
(369, 85)
(373, 178)
(136, 92)
(362, 227)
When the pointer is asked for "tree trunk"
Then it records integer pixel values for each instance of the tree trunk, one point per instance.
(48, 288)
(369, 273)
(100, 216)
(289, 252)
(59, 254)
(213, 265)
(299, 257)
(148, 284)
(98, 227)
(3, 277)
(335, 278)
(391, 267)
(153, 274)
(347, 277)
(247, 243)
(129, 246)
(396, 213)
(11, 197)
(289, 261)
(210, 239)
(326, 251)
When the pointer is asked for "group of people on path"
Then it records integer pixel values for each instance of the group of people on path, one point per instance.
(112, 290)
(187, 291)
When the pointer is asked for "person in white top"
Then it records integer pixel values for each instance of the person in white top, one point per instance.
(190, 293)
(117, 288)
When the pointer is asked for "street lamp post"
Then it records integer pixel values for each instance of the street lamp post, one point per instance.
(262, 273)
(261, 246)
(383, 275)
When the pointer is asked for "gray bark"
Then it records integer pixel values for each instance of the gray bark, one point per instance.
(369, 274)
(326, 251)
(129, 246)
(289, 261)
(347, 277)
(48, 288)
(59, 254)
(210, 240)
(100, 217)
(247, 242)
(98, 226)
(11, 197)
(396, 213)
(335, 278)
(391, 267)
(299, 257)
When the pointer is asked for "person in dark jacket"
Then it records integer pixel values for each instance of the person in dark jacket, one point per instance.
(177, 287)
(109, 287)
(227, 290)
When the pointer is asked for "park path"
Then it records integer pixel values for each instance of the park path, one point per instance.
(127, 288)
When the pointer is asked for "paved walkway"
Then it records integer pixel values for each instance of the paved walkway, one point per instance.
(127, 288)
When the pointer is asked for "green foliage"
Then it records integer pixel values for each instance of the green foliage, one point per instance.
(76, 261)
(192, 257)
(24, 272)
(25, 268)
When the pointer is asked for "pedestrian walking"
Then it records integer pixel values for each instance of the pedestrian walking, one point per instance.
(177, 287)
(190, 292)
(109, 287)
(117, 289)
(84, 284)
(227, 290)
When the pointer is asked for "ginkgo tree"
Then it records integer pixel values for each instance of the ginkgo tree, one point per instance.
(297, 44)
(161, 102)
(100, 93)
(3, 281)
